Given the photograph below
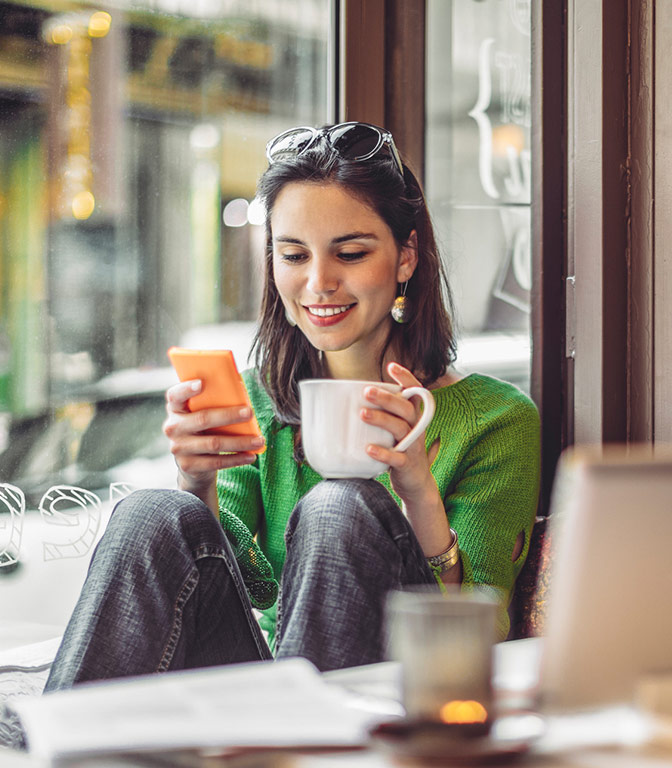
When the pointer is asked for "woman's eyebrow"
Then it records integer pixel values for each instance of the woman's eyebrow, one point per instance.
(355, 236)
(335, 240)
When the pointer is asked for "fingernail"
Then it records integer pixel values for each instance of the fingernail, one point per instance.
(257, 442)
(195, 386)
(244, 413)
(366, 413)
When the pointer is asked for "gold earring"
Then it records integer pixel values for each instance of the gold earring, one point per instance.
(401, 309)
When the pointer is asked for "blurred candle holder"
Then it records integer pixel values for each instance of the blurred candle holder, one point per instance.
(444, 643)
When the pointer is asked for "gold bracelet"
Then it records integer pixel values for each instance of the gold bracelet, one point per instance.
(448, 559)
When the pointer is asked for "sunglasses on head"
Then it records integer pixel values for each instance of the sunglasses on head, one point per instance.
(353, 141)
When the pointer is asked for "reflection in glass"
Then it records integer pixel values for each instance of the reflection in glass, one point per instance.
(478, 175)
(125, 138)
(130, 145)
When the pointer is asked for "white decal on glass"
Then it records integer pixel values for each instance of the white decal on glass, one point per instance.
(521, 15)
(119, 491)
(14, 501)
(479, 114)
(65, 505)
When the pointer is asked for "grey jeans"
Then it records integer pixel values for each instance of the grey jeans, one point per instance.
(164, 590)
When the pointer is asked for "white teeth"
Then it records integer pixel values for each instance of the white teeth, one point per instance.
(328, 311)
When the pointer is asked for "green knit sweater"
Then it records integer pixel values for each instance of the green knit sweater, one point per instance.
(486, 469)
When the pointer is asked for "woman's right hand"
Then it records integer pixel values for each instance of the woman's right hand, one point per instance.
(198, 455)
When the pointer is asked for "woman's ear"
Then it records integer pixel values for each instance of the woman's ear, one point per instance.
(409, 258)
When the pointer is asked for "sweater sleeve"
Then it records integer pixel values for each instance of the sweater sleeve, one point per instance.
(239, 498)
(241, 514)
(495, 498)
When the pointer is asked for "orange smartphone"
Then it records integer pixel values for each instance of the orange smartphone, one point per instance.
(223, 386)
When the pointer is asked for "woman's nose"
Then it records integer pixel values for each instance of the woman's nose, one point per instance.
(322, 277)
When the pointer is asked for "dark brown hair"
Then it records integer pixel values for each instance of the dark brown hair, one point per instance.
(426, 344)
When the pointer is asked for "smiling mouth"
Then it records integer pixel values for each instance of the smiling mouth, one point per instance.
(329, 311)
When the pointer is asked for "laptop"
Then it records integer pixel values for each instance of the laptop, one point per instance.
(609, 610)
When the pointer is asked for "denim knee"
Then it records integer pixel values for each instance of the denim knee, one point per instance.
(342, 512)
(348, 544)
(156, 517)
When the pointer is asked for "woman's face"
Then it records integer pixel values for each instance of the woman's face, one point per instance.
(336, 267)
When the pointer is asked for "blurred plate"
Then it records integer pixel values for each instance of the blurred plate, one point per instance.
(430, 744)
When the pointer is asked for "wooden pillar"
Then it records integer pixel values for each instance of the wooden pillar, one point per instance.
(382, 70)
(598, 216)
(549, 239)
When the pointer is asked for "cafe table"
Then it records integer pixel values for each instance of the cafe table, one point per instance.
(613, 737)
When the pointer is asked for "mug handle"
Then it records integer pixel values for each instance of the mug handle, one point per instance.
(426, 416)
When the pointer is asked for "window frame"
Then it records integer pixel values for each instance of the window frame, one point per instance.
(386, 39)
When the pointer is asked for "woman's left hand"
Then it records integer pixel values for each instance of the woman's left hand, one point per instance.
(409, 471)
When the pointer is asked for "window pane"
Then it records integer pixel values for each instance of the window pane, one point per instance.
(478, 174)
(130, 147)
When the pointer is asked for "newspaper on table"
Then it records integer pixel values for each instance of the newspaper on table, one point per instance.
(29, 658)
(275, 704)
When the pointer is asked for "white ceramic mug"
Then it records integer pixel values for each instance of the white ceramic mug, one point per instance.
(333, 434)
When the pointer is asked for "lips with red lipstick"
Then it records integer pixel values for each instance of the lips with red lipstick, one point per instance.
(327, 314)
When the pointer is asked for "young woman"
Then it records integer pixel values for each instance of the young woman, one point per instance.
(177, 574)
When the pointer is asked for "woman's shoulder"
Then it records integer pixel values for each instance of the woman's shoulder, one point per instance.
(484, 396)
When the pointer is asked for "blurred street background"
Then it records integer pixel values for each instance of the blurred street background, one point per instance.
(132, 136)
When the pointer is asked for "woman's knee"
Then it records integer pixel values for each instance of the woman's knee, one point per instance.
(343, 510)
(154, 514)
